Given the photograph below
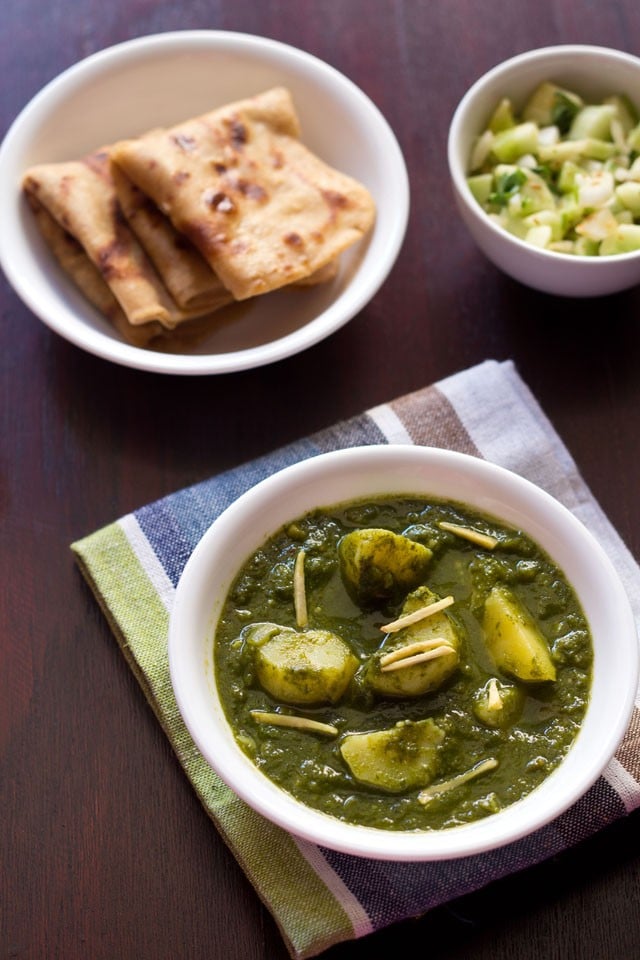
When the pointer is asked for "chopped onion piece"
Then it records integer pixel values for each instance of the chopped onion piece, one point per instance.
(595, 189)
(481, 150)
(598, 225)
(548, 136)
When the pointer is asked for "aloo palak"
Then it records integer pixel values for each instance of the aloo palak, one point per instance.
(403, 664)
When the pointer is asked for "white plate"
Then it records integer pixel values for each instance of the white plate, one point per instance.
(163, 79)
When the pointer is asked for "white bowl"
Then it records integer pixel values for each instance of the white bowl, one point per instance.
(378, 470)
(594, 72)
(160, 80)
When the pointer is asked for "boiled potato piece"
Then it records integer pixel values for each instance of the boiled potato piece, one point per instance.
(423, 677)
(498, 705)
(314, 666)
(401, 758)
(513, 639)
(378, 565)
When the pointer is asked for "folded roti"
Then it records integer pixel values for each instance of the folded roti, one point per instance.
(80, 196)
(185, 273)
(262, 209)
(86, 276)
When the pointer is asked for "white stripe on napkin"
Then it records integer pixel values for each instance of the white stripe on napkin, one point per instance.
(358, 916)
(148, 559)
(390, 425)
(623, 783)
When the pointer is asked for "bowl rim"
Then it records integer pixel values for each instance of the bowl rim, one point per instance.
(458, 172)
(358, 292)
(238, 771)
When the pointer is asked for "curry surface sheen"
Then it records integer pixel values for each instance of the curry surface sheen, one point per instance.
(310, 766)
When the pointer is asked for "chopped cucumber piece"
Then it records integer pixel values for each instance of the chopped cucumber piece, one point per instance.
(626, 239)
(509, 145)
(629, 196)
(577, 163)
(567, 177)
(625, 111)
(634, 139)
(533, 195)
(481, 186)
(551, 220)
(577, 150)
(551, 104)
(586, 248)
(502, 117)
(539, 236)
(592, 122)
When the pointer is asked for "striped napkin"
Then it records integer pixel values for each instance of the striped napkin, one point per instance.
(318, 897)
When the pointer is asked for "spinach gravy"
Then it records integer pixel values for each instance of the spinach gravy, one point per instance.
(404, 664)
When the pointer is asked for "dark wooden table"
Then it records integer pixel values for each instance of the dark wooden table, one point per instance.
(106, 851)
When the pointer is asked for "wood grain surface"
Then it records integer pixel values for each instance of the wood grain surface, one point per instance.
(106, 852)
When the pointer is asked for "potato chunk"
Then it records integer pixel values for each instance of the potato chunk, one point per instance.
(427, 675)
(498, 705)
(378, 565)
(402, 758)
(513, 639)
(314, 666)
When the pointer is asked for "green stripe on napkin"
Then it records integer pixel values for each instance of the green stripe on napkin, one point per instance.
(269, 856)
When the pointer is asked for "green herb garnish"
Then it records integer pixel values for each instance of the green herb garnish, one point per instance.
(507, 185)
(563, 111)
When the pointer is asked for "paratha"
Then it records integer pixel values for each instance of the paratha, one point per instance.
(184, 271)
(86, 276)
(80, 196)
(263, 210)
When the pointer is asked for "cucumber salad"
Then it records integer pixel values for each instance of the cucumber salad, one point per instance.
(563, 174)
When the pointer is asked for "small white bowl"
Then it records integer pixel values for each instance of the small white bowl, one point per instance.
(386, 470)
(160, 80)
(593, 72)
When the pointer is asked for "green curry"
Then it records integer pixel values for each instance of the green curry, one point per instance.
(404, 664)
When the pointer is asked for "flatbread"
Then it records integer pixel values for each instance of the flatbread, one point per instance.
(74, 261)
(262, 209)
(81, 198)
(184, 271)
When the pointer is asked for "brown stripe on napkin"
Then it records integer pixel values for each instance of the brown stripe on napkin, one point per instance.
(430, 420)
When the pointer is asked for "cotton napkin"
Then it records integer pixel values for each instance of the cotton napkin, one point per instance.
(319, 897)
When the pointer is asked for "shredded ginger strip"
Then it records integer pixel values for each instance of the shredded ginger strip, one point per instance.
(299, 591)
(437, 789)
(298, 723)
(417, 615)
(468, 533)
(433, 654)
